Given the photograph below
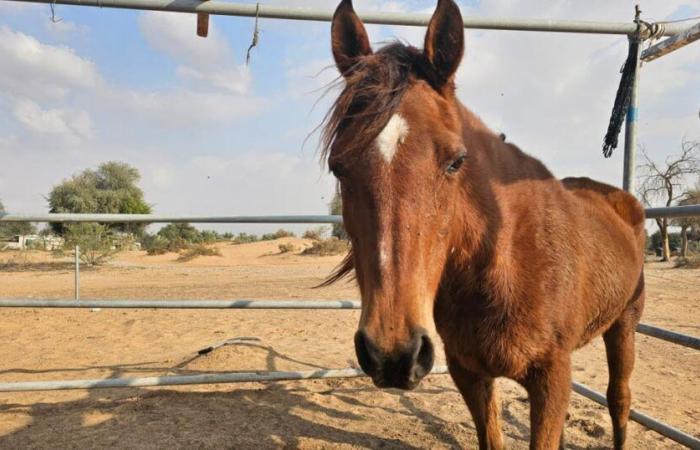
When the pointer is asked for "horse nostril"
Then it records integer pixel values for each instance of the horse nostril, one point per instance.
(368, 355)
(425, 356)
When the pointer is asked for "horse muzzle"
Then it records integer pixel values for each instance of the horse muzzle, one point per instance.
(403, 367)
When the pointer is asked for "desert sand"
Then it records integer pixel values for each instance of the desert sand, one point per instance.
(77, 344)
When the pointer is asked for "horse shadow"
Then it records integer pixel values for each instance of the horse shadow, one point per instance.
(309, 414)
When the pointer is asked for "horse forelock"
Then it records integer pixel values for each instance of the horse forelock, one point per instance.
(372, 93)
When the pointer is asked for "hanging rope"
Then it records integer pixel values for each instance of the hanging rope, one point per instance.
(624, 92)
(256, 34)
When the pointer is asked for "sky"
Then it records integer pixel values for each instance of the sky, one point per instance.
(212, 136)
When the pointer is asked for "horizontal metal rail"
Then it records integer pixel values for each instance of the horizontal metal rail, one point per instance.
(152, 218)
(670, 336)
(649, 330)
(180, 304)
(181, 380)
(651, 213)
(249, 377)
(662, 428)
(386, 18)
(672, 44)
(673, 211)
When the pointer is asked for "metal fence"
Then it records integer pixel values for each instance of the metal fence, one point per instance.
(680, 35)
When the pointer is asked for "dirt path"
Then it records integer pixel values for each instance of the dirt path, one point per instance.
(66, 344)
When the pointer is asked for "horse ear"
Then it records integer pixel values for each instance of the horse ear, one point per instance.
(444, 41)
(348, 37)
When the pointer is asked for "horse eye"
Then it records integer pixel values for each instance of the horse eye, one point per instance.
(457, 163)
(337, 170)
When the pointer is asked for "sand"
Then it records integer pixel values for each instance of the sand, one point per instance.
(76, 344)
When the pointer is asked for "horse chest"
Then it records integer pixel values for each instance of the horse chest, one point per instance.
(487, 343)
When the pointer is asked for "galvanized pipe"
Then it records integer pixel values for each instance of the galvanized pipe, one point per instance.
(153, 218)
(181, 380)
(629, 165)
(649, 330)
(77, 272)
(673, 211)
(181, 304)
(648, 421)
(670, 336)
(386, 18)
(651, 213)
(671, 44)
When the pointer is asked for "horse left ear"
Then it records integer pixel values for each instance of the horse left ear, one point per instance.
(444, 41)
(349, 40)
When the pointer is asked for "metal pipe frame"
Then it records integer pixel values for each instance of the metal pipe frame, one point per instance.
(153, 218)
(629, 165)
(649, 330)
(257, 377)
(671, 44)
(669, 336)
(660, 427)
(651, 213)
(180, 304)
(385, 18)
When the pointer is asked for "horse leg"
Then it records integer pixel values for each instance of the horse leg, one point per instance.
(619, 346)
(549, 388)
(479, 395)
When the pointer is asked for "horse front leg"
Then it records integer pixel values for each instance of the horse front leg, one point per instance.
(478, 393)
(549, 387)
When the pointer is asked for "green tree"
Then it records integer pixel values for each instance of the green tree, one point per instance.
(110, 189)
(690, 226)
(14, 228)
(336, 208)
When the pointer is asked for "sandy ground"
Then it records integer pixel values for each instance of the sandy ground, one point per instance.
(72, 344)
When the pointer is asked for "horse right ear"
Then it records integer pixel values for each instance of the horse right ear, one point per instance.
(348, 38)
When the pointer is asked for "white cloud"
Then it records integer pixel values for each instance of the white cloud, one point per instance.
(72, 125)
(209, 61)
(39, 71)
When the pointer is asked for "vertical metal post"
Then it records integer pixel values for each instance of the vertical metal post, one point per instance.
(631, 121)
(77, 272)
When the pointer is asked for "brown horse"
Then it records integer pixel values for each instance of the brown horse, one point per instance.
(456, 231)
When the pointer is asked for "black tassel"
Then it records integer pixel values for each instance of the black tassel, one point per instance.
(622, 100)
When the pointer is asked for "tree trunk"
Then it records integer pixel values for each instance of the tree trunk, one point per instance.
(684, 242)
(666, 256)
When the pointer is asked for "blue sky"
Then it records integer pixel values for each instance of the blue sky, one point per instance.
(212, 136)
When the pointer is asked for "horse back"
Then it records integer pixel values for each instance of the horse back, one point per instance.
(623, 203)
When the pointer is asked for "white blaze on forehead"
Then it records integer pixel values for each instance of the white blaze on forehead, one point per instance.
(392, 136)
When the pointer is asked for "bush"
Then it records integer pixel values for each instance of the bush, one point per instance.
(692, 262)
(198, 250)
(279, 234)
(327, 247)
(95, 241)
(287, 248)
(315, 234)
(244, 238)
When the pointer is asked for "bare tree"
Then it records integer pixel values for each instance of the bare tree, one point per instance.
(665, 183)
(690, 226)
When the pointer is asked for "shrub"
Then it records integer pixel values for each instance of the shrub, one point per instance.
(327, 247)
(245, 238)
(198, 250)
(95, 241)
(279, 234)
(287, 248)
(692, 262)
(315, 234)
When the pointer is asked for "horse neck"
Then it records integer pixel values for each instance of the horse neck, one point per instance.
(495, 167)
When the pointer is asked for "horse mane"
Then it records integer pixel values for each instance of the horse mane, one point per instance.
(373, 90)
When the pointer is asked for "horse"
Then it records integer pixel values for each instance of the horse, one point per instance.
(456, 232)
